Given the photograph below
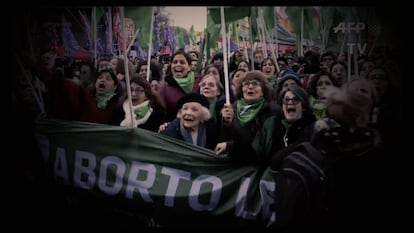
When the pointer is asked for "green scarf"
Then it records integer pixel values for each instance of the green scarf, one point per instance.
(103, 99)
(318, 107)
(272, 81)
(247, 110)
(186, 83)
(141, 111)
(212, 108)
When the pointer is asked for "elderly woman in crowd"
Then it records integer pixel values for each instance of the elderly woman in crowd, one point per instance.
(192, 124)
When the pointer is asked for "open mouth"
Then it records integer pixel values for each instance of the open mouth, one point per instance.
(101, 85)
(188, 120)
(290, 109)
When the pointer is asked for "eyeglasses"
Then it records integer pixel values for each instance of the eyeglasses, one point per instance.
(137, 90)
(209, 84)
(254, 83)
(294, 100)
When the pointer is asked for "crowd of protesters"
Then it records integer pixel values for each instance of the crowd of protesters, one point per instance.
(273, 105)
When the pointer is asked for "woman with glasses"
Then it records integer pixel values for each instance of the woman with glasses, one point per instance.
(246, 116)
(148, 110)
(278, 134)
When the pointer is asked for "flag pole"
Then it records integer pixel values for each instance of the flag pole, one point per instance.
(276, 32)
(110, 33)
(226, 72)
(301, 31)
(133, 39)
(126, 67)
(251, 36)
(150, 42)
(95, 29)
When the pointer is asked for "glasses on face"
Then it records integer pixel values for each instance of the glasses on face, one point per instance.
(209, 84)
(254, 83)
(137, 90)
(294, 100)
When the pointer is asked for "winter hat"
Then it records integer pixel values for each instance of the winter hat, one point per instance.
(193, 97)
(290, 74)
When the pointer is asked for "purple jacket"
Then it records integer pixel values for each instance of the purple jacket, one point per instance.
(171, 92)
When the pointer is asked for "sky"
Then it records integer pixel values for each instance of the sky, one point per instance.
(185, 16)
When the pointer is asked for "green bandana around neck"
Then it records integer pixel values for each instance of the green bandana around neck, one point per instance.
(103, 99)
(247, 110)
(140, 112)
(318, 107)
(212, 108)
(186, 83)
(272, 81)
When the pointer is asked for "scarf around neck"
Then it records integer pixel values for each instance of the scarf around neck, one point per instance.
(272, 81)
(103, 99)
(247, 110)
(138, 120)
(201, 135)
(141, 110)
(186, 83)
(212, 108)
(318, 107)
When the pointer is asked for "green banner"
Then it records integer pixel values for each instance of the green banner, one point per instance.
(167, 181)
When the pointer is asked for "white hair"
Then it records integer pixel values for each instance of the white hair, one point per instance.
(205, 113)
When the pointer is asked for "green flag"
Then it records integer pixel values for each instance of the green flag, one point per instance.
(214, 32)
(192, 36)
(179, 37)
(135, 172)
(310, 28)
(269, 17)
(230, 13)
(142, 19)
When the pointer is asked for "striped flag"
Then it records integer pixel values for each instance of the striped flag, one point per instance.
(173, 41)
(69, 41)
(167, 38)
(140, 52)
(117, 30)
(87, 30)
(156, 34)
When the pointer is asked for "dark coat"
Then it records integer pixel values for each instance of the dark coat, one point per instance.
(272, 139)
(173, 130)
(358, 179)
(171, 92)
(243, 135)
